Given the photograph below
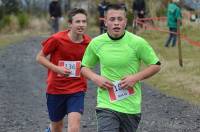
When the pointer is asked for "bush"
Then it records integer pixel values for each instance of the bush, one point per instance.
(161, 12)
(23, 20)
(6, 20)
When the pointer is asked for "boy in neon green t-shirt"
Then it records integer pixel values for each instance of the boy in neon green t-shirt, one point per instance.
(119, 54)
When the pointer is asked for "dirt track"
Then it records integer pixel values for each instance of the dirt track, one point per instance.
(23, 107)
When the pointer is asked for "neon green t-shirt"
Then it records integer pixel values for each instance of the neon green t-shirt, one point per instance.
(119, 58)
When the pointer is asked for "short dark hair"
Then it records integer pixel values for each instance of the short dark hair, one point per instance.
(115, 7)
(75, 11)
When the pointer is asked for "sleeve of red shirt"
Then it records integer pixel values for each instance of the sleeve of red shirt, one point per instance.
(49, 45)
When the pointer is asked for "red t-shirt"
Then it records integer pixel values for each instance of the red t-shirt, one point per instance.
(61, 48)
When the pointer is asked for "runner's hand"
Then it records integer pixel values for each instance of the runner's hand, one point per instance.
(128, 82)
(63, 71)
(103, 82)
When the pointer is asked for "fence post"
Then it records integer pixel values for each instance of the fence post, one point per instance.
(179, 44)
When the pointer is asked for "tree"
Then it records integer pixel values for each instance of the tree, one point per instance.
(10, 6)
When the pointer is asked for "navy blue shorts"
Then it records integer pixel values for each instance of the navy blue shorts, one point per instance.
(60, 105)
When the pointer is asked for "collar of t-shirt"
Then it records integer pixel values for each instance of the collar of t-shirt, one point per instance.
(118, 38)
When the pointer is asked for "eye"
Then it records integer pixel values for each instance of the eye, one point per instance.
(77, 21)
(112, 19)
(120, 19)
(84, 21)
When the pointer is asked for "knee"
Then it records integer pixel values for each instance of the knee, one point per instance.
(73, 128)
(57, 127)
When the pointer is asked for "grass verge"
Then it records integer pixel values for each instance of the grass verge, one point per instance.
(182, 82)
(13, 38)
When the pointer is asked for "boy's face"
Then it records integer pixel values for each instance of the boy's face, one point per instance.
(78, 24)
(115, 22)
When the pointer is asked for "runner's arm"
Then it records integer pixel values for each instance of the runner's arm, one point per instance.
(100, 81)
(148, 72)
(131, 80)
(43, 60)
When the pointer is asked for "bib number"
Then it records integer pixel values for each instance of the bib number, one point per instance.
(74, 66)
(117, 93)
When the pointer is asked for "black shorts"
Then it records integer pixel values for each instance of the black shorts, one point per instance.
(112, 121)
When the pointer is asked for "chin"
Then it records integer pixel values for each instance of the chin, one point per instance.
(117, 34)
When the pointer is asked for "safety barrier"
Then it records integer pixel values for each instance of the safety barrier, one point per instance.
(144, 21)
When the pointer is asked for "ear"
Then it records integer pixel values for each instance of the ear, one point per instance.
(70, 21)
(126, 20)
(105, 21)
(69, 24)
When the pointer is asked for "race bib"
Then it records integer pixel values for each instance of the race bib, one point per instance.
(117, 93)
(74, 66)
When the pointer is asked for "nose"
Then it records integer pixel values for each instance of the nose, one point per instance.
(116, 22)
(83, 23)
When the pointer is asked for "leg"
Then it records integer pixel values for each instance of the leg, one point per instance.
(56, 25)
(74, 119)
(102, 26)
(75, 106)
(56, 126)
(107, 121)
(57, 111)
(174, 37)
(129, 122)
(101, 29)
(134, 26)
(141, 17)
(52, 23)
(169, 38)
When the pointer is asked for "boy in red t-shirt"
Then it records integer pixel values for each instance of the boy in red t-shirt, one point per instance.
(62, 53)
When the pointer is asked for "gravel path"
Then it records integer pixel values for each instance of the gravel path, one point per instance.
(23, 107)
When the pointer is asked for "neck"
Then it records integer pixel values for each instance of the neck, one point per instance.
(116, 38)
(75, 37)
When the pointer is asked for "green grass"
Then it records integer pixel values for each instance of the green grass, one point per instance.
(182, 82)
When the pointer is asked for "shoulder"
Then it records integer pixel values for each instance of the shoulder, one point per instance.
(99, 41)
(134, 37)
(135, 41)
(178, 8)
(99, 38)
(59, 35)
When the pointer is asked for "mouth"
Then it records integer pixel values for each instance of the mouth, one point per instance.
(116, 29)
(80, 29)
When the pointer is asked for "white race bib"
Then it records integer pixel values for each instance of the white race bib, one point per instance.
(117, 93)
(74, 66)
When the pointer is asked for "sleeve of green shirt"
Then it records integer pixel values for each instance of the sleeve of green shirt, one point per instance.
(146, 53)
